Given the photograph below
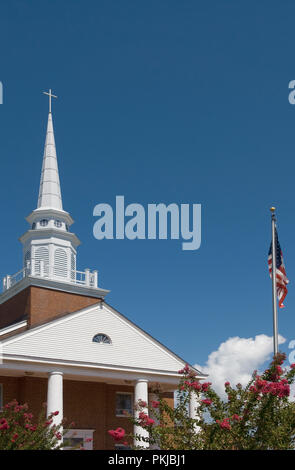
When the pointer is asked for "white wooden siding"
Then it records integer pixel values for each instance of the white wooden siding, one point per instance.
(70, 339)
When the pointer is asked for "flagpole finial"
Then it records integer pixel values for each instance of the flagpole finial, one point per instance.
(272, 209)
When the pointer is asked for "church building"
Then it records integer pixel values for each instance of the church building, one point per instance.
(61, 343)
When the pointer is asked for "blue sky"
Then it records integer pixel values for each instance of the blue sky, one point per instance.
(159, 101)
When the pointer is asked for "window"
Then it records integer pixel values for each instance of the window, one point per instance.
(34, 226)
(43, 222)
(123, 404)
(1, 395)
(57, 223)
(101, 338)
(76, 438)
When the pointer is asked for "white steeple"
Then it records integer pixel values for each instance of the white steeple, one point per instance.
(49, 192)
(49, 248)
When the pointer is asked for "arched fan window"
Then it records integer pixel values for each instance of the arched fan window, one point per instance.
(41, 253)
(60, 263)
(101, 338)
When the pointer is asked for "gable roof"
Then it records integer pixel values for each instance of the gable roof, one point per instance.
(70, 339)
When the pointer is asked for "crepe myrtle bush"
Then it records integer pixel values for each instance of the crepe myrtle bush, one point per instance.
(20, 431)
(258, 416)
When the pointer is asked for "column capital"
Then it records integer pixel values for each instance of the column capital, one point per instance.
(55, 372)
(141, 380)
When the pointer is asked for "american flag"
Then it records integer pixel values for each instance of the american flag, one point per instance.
(281, 275)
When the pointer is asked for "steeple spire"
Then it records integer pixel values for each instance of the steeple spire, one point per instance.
(49, 247)
(49, 192)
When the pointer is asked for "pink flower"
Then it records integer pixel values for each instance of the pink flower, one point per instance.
(145, 420)
(224, 424)
(196, 385)
(292, 365)
(236, 417)
(142, 403)
(48, 422)
(4, 424)
(207, 401)
(155, 404)
(205, 386)
(117, 434)
(227, 384)
(185, 370)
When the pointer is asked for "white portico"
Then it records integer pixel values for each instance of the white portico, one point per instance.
(96, 345)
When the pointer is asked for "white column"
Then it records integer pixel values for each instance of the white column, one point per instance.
(55, 396)
(193, 408)
(87, 277)
(95, 278)
(140, 393)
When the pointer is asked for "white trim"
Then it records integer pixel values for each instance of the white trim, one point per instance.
(49, 232)
(63, 286)
(15, 326)
(47, 212)
(84, 372)
(95, 367)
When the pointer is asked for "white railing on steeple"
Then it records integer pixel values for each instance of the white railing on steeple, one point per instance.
(37, 269)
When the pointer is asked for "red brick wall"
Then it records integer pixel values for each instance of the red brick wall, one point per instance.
(46, 304)
(41, 305)
(10, 388)
(15, 309)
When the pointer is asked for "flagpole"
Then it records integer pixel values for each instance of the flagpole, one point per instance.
(274, 282)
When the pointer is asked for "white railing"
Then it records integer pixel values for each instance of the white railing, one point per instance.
(40, 270)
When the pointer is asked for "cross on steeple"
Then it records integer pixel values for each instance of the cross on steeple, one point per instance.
(50, 96)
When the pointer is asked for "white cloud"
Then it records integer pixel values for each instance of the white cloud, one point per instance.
(236, 359)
